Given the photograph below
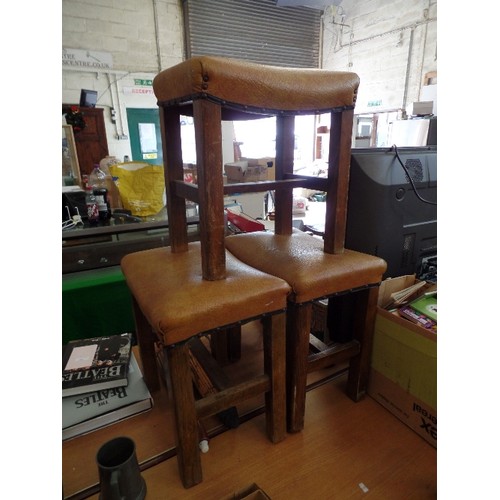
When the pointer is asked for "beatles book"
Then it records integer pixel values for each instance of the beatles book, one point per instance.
(94, 364)
(88, 412)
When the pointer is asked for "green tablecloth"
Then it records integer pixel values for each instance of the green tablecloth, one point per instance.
(95, 303)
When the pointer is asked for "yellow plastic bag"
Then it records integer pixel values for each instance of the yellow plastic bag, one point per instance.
(141, 186)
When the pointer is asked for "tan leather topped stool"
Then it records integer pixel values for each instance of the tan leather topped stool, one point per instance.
(300, 260)
(174, 304)
(190, 289)
(314, 269)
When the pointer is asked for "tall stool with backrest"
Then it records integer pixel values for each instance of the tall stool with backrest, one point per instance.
(192, 288)
(315, 268)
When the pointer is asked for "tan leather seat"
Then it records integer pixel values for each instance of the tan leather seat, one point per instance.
(179, 304)
(254, 88)
(300, 260)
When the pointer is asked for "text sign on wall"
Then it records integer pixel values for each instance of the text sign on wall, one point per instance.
(90, 59)
(138, 90)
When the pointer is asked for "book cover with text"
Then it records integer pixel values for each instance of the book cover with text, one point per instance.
(87, 412)
(95, 364)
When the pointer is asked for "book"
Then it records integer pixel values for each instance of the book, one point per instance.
(85, 413)
(95, 364)
(422, 311)
(426, 304)
(399, 297)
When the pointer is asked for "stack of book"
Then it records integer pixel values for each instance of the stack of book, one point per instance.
(401, 297)
(101, 384)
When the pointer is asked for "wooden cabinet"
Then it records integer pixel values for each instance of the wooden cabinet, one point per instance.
(91, 142)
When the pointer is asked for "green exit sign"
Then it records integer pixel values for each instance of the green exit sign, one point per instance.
(146, 83)
(372, 104)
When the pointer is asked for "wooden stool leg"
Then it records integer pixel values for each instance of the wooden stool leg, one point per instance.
(186, 419)
(226, 345)
(234, 343)
(363, 329)
(274, 366)
(146, 339)
(341, 311)
(298, 324)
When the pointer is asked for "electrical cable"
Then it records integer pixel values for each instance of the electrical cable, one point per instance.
(111, 83)
(72, 221)
(411, 180)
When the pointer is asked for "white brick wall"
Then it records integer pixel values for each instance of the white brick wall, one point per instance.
(390, 44)
(126, 29)
(377, 45)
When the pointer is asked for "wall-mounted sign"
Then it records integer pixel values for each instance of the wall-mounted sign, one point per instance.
(146, 83)
(138, 90)
(86, 59)
(147, 137)
(372, 104)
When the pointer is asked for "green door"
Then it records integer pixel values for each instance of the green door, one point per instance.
(145, 136)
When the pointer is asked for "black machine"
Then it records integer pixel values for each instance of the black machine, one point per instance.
(392, 208)
(88, 98)
(392, 213)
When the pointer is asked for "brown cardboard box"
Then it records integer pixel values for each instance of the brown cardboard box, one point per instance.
(250, 170)
(403, 375)
(242, 171)
(264, 162)
(252, 492)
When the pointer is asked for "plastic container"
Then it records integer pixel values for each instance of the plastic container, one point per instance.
(98, 179)
(106, 162)
(98, 183)
(92, 206)
(101, 195)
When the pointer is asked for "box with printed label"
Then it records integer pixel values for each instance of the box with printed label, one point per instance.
(267, 162)
(250, 170)
(403, 375)
(241, 171)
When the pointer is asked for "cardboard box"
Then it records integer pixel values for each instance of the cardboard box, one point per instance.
(421, 108)
(252, 492)
(241, 171)
(403, 375)
(267, 162)
(249, 170)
